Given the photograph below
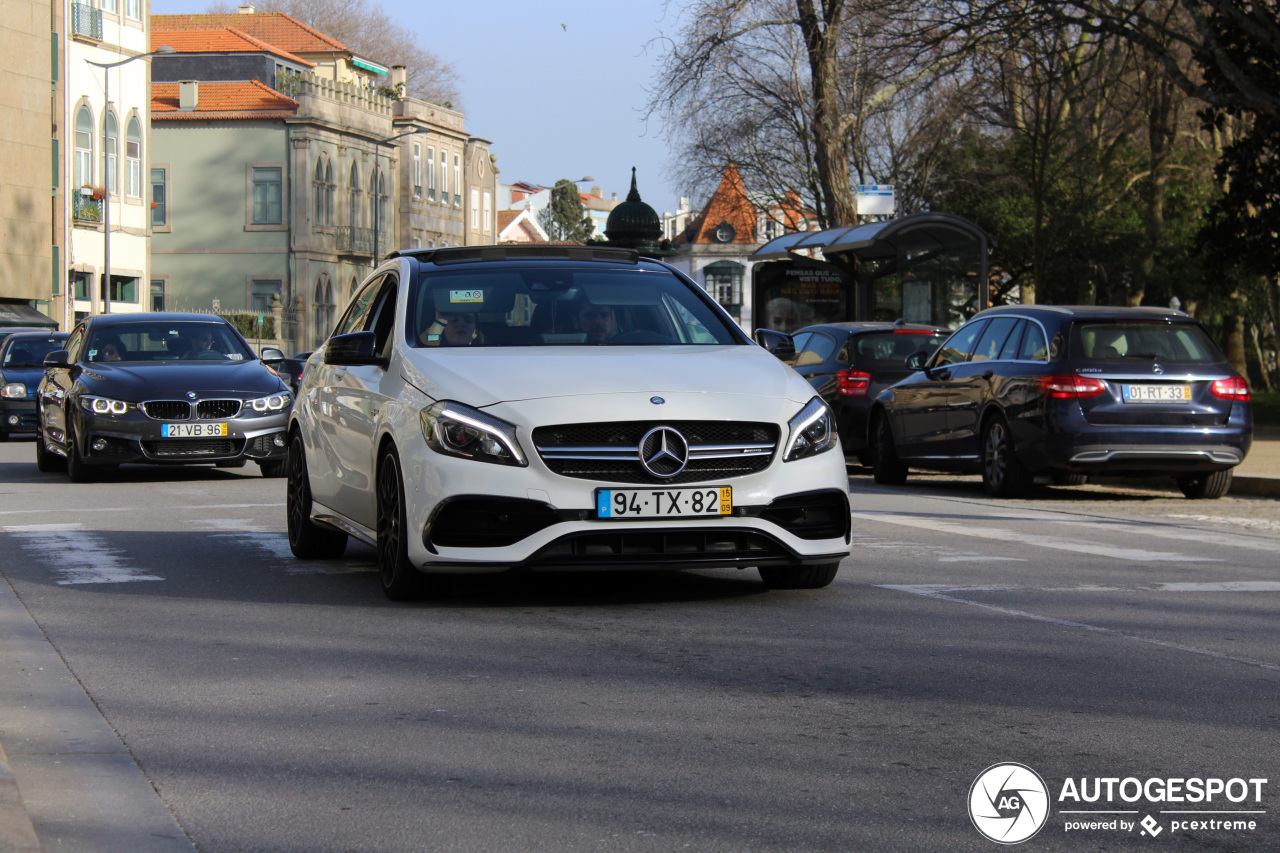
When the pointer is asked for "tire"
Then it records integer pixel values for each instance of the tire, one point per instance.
(401, 580)
(1069, 478)
(307, 540)
(230, 463)
(885, 467)
(798, 577)
(1206, 486)
(4, 436)
(863, 457)
(275, 468)
(78, 470)
(1003, 476)
(46, 462)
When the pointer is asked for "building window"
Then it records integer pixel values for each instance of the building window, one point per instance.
(133, 159)
(157, 294)
(84, 148)
(122, 289)
(159, 198)
(322, 309)
(133, 10)
(444, 177)
(488, 211)
(723, 281)
(475, 209)
(353, 197)
(112, 145)
(81, 285)
(417, 170)
(268, 208)
(457, 181)
(111, 6)
(431, 174)
(262, 289)
(330, 189)
(317, 187)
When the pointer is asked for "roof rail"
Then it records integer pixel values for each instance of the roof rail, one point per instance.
(513, 251)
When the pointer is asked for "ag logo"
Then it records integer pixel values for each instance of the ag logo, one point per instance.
(1008, 803)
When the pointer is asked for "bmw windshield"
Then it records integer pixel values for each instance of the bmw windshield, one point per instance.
(550, 306)
(155, 341)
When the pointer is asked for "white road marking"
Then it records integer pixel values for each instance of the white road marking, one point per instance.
(1082, 626)
(1261, 523)
(980, 558)
(89, 509)
(79, 556)
(237, 525)
(1060, 543)
(1224, 586)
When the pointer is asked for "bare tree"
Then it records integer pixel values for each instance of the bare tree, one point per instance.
(366, 29)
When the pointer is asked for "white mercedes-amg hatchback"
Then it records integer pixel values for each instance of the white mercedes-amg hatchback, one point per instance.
(491, 409)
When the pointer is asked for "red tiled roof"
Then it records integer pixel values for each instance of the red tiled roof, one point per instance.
(275, 28)
(219, 40)
(729, 203)
(506, 217)
(229, 99)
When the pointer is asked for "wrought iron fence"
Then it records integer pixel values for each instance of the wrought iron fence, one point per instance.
(86, 21)
(359, 241)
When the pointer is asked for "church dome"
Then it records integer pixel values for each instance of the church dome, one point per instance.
(634, 224)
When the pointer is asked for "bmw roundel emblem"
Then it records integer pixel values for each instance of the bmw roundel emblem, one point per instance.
(657, 401)
(191, 394)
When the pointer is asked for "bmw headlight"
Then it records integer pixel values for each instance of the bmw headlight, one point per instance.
(104, 406)
(457, 430)
(14, 391)
(812, 431)
(269, 405)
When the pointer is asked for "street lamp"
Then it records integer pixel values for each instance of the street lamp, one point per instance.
(377, 173)
(106, 196)
(576, 181)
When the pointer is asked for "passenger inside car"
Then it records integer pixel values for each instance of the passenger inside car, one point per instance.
(453, 329)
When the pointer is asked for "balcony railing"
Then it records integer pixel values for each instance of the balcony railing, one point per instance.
(359, 241)
(86, 21)
(86, 209)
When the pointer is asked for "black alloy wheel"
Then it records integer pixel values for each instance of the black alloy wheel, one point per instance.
(401, 580)
(1003, 476)
(274, 468)
(46, 461)
(1206, 486)
(78, 471)
(798, 577)
(885, 466)
(307, 540)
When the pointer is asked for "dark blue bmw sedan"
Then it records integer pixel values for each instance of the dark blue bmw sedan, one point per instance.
(1022, 390)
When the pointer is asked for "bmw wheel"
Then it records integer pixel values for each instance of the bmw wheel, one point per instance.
(885, 466)
(46, 462)
(401, 580)
(78, 470)
(307, 540)
(1003, 475)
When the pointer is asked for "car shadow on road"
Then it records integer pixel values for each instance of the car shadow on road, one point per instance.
(1109, 490)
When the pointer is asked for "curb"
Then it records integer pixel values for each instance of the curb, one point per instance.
(17, 835)
(1267, 487)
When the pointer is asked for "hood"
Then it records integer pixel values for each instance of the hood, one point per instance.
(29, 376)
(132, 381)
(485, 376)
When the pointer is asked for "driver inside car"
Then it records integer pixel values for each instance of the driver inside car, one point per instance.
(595, 320)
(201, 342)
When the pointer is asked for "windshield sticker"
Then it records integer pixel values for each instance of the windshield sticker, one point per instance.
(466, 296)
(235, 356)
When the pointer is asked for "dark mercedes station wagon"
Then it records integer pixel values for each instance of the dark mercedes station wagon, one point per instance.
(1069, 391)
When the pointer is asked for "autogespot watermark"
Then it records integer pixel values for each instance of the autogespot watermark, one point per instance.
(1009, 803)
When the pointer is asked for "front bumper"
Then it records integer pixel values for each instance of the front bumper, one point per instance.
(17, 416)
(136, 438)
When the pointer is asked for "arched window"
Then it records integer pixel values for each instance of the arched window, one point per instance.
(329, 190)
(133, 158)
(352, 289)
(84, 148)
(110, 156)
(317, 187)
(374, 222)
(322, 309)
(353, 198)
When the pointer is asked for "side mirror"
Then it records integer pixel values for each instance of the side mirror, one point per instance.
(271, 355)
(778, 343)
(355, 348)
(916, 360)
(57, 358)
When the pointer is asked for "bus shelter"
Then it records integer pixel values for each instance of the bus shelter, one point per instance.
(925, 268)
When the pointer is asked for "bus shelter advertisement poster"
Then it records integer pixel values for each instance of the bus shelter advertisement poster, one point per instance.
(790, 295)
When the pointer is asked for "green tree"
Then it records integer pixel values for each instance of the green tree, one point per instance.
(564, 218)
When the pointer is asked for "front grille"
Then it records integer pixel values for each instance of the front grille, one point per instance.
(167, 410)
(677, 548)
(610, 451)
(488, 522)
(215, 409)
(191, 447)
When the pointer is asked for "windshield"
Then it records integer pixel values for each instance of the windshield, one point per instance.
(560, 307)
(890, 350)
(172, 341)
(1111, 341)
(29, 352)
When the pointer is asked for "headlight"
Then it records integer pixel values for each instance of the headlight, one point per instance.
(457, 430)
(274, 403)
(104, 406)
(811, 432)
(14, 391)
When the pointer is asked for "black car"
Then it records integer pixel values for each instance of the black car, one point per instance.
(21, 367)
(160, 389)
(1069, 391)
(848, 364)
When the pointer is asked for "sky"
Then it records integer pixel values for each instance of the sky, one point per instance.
(558, 87)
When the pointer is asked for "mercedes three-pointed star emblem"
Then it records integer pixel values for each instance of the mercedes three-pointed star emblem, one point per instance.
(664, 452)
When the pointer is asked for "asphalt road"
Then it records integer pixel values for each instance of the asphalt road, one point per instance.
(247, 701)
